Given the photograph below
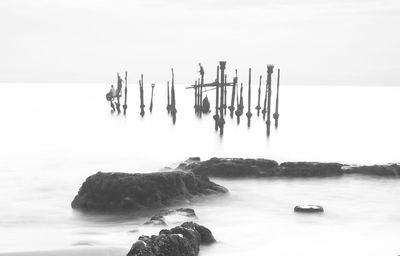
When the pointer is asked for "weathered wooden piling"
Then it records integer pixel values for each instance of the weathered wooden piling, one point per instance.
(270, 69)
(276, 114)
(168, 101)
(264, 111)
(225, 90)
(232, 106)
(216, 116)
(240, 107)
(125, 106)
(259, 96)
(119, 88)
(196, 97)
(112, 107)
(151, 101)
(141, 95)
(249, 114)
(201, 87)
(173, 99)
(221, 118)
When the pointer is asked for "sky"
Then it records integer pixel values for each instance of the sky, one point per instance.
(313, 42)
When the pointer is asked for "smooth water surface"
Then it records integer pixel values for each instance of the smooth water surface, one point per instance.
(55, 135)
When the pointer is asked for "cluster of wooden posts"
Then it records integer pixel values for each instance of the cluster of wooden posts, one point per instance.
(221, 84)
(115, 101)
(202, 105)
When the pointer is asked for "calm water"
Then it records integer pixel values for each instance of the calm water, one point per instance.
(55, 135)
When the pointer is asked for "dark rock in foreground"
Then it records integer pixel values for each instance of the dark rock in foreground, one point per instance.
(234, 167)
(159, 219)
(238, 167)
(391, 170)
(183, 240)
(125, 191)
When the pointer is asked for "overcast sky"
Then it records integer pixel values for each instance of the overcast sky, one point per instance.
(316, 42)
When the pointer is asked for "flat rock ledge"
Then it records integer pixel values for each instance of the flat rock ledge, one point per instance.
(238, 168)
(125, 191)
(183, 240)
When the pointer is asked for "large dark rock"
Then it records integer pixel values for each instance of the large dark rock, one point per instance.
(182, 240)
(309, 169)
(238, 167)
(234, 167)
(390, 170)
(120, 191)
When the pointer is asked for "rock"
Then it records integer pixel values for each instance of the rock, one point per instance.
(309, 209)
(389, 170)
(189, 163)
(179, 215)
(234, 167)
(125, 191)
(182, 240)
(156, 220)
(238, 167)
(309, 169)
(205, 234)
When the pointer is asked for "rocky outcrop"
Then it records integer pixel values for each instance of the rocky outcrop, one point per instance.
(183, 240)
(390, 170)
(309, 169)
(179, 215)
(233, 167)
(238, 167)
(125, 191)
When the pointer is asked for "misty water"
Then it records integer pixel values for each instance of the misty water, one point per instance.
(54, 136)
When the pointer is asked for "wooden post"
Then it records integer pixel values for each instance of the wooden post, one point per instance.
(119, 88)
(168, 103)
(232, 106)
(141, 96)
(196, 98)
(270, 69)
(249, 114)
(151, 101)
(125, 106)
(216, 116)
(239, 110)
(225, 90)
(173, 98)
(221, 118)
(201, 88)
(259, 95)
(264, 111)
(276, 114)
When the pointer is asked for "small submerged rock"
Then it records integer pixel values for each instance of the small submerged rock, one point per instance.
(126, 191)
(168, 215)
(309, 209)
(183, 240)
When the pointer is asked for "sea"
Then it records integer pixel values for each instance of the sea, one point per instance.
(53, 136)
